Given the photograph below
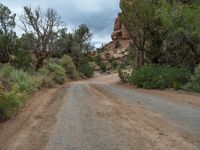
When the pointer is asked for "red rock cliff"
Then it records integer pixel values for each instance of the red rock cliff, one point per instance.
(120, 32)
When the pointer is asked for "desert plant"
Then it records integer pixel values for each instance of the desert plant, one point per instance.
(114, 64)
(194, 84)
(22, 85)
(160, 77)
(10, 103)
(86, 70)
(23, 80)
(58, 72)
(103, 67)
(70, 69)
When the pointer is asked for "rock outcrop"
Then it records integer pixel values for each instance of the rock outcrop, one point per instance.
(120, 32)
(118, 48)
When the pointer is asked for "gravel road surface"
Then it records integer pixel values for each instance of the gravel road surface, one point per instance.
(101, 114)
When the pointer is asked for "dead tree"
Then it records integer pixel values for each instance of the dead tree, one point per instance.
(44, 27)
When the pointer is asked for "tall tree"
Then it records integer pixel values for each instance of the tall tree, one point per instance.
(44, 26)
(138, 17)
(65, 43)
(81, 43)
(183, 35)
(7, 35)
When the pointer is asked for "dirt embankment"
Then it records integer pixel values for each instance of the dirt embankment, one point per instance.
(30, 129)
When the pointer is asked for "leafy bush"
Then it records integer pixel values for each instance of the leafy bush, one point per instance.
(87, 59)
(98, 59)
(70, 69)
(10, 103)
(194, 84)
(22, 84)
(58, 72)
(86, 70)
(114, 64)
(103, 67)
(160, 77)
(22, 60)
(23, 80)
(45, 77)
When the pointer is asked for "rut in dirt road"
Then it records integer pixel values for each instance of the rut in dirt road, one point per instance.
(99, 116)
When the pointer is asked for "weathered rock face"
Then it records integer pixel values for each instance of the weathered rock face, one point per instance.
(120, 32)
(118, 48)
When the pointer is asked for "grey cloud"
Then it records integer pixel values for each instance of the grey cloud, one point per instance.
(99, 15)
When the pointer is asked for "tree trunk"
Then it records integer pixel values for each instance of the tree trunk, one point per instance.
(142, 58)
(39, 64)
(137, 59)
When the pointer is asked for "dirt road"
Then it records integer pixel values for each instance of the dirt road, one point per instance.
(100, 115)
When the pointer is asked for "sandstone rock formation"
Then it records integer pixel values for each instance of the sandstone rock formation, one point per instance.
(117, 48)
(120, 31)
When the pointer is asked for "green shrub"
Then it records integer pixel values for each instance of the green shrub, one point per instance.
(53, 72)
(86, 70)
(103, 67)
(114, 64)
(23, 60)
(70, 69)
(22, 84)
(98, 59)
(46, 78)
(160, 77)
(87, 59)
(194, 84)
(23, 80)
(58, 72)
(10, 103)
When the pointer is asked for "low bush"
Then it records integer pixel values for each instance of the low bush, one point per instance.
(194, 84)
(86, 70)
(98, 59)
(23, 60)
(10, 102)
(70, 69)
(114, 64)
(45, 77)
(21, 85)
(103, 67)
(87, 59)
(58, 72)
(23, 80)
(160, 77)
(52, 72)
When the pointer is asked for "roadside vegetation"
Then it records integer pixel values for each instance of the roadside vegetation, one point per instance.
(44, 56)
(165, 47)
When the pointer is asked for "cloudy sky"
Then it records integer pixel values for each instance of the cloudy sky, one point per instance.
(98, 15)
